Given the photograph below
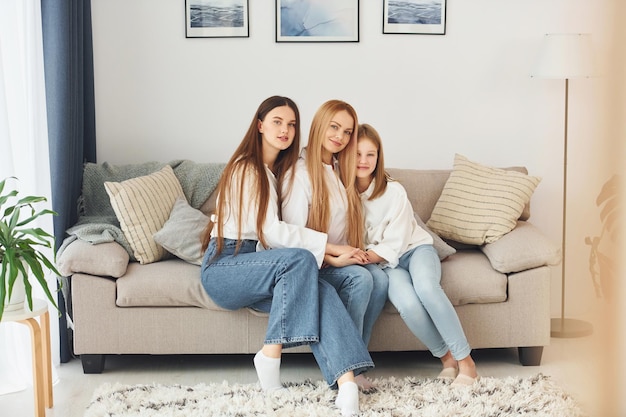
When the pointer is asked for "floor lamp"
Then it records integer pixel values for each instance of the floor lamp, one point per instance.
(565, 56)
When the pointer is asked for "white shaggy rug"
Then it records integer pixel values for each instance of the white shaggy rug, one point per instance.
(493, 397)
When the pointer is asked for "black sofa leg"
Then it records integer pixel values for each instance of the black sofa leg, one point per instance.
(530, 356)
(92, 364)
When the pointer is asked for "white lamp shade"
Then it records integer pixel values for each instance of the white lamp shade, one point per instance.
(565, 55)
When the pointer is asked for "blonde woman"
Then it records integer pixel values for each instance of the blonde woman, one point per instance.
(320, 193)
(238, 271)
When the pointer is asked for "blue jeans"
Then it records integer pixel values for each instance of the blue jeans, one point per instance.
(363, 290)
(415, 290)
(302, 309)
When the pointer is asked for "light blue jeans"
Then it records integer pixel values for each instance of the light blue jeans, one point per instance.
(415, 290)
(302, 308)
(363, 290)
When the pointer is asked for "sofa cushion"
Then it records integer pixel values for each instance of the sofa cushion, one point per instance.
(169, 283)
(468, 278)
(108, 259)
(181, 234)
(142, 206)
(480, 204)
(523, 248)
(443, 249)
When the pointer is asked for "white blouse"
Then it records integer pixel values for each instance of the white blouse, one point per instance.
(297, 203)
(390, 226)
(277, 233)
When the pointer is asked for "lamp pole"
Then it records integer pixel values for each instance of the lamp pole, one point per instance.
(565, 56)
(562, 327)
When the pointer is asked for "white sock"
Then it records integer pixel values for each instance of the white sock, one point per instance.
(348, 399)
(268, 371)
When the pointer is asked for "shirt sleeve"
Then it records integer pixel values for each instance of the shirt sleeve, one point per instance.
(398, 227)
(297, 201)
(280, 234)
(277, 233)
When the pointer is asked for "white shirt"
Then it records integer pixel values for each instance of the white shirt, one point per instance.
(297, 203)
(390, 226)
(278, 234)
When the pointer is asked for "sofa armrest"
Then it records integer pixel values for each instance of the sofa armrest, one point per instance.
(524, 247)
(108, 259)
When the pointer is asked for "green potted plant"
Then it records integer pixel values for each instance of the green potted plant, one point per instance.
(20, 245)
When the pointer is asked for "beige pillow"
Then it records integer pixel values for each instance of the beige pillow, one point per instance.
(142, 206)
(524, 248)
(480, 204)
(107, 259)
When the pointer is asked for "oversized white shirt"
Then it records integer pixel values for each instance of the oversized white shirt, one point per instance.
(297, 203)
(277, 233)
(390, 226)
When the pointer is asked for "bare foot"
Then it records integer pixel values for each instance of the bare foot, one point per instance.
(364, 384)
(448, 361)
(467, 367)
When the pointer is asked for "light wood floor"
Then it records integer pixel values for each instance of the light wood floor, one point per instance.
(568, 361)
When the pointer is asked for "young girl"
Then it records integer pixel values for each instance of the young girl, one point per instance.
(395, 241)
(238, 272)
(320, 193)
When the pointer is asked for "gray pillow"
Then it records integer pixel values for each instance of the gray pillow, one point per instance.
(182, 233)
(443, 249)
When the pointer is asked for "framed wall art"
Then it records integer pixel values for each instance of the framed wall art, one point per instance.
(317, 20)
(426, 17)
(216, 19)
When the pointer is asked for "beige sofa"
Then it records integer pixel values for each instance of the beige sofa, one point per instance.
(119, 306)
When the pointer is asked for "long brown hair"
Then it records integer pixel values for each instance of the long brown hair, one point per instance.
(249, 156)
(319, 213)
(381, 177)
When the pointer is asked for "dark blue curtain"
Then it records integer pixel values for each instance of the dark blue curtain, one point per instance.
(68, 63)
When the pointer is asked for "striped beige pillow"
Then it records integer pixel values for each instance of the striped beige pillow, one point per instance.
(142, 206)
(480, 204)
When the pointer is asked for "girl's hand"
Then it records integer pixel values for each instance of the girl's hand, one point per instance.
(373, 257)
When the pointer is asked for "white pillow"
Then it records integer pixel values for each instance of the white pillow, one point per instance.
(480, 204)
(142, 206)
(182, 233)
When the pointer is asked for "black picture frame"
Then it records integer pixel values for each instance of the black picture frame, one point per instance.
(217, 19)
(317, 21)
(414, 17)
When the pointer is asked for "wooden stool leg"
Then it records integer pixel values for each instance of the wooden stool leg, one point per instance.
(35, 332)
(47, 360)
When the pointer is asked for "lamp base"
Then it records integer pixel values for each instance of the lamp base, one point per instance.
(567, 328)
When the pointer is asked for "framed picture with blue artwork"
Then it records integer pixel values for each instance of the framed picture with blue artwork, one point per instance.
(416, 17)
(216, 19)
(317, 20)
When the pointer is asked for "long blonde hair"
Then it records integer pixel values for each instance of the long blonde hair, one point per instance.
(249, 156)
(319, 213)
(380, 176)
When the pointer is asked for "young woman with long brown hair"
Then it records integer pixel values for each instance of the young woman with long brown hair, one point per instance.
(253, 259)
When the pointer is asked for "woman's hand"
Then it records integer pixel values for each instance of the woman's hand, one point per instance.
(336, 250)
(353, 256)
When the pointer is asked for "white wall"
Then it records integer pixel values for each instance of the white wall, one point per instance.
(160, 96)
